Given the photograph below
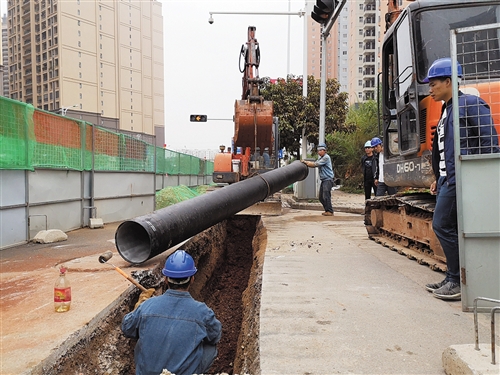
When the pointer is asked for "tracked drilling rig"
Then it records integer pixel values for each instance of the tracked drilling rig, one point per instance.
(255, 128)
(417, 36)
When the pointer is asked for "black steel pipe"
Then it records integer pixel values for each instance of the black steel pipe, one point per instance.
(144, 237)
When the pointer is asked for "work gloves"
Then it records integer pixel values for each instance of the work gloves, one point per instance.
(144, 296)
(309, 163)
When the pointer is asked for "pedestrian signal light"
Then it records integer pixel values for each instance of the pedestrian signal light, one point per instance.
(198, 118)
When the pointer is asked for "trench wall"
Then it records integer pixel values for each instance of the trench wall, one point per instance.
(101, 348)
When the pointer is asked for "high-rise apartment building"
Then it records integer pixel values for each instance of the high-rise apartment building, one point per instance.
(101, 61)
(354, 46)
(314, 50)
(350, 50)
(342, 34)
(363, 56)
(4, 74)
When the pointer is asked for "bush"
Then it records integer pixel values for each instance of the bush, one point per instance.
(347, 148)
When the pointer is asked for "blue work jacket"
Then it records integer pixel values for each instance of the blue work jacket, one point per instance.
(477, 133)
(324, 164)
(171, 330)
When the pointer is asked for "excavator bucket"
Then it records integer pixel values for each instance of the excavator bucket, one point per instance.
(253, 124)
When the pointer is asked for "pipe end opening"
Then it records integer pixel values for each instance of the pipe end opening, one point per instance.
(133, 242)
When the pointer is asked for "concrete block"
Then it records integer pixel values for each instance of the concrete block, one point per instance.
(96, 223)
(49, 236)
(465, 360)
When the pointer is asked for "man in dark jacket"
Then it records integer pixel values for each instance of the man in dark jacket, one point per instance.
(378, 150)
(477, 136)
(369, 166)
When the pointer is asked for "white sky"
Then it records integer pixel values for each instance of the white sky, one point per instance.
(201, 62)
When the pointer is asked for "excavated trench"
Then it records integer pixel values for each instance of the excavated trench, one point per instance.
(229, 257)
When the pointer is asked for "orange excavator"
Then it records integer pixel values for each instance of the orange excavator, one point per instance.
(416, 36)
(255, 140)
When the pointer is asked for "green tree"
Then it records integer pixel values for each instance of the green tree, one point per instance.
(288, 104)
(347, 146)
(297, 113)
(335, 110)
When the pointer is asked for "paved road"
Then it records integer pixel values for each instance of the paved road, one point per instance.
(30, 329)
(335, 302)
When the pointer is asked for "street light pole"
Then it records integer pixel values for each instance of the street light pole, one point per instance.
(288, 49)
(300, 13)
(322, 98)
(303, 152)
(322, 95)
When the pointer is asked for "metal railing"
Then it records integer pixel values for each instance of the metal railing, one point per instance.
(476, 329)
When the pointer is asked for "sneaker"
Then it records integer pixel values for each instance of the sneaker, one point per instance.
(327, 213)
(449, 291)
(435, 286)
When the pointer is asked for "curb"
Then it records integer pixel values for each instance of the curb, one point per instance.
(349, 208)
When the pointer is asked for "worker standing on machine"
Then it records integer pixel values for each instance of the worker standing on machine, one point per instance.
(324, 163)
(378, 147)
(481, 138)
(369, 166)
(267, 158)
(173, 331)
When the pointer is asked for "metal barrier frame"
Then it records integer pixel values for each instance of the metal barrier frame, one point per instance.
(466, 231)
(476, 329)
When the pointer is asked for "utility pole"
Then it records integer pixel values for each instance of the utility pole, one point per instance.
(325, 12)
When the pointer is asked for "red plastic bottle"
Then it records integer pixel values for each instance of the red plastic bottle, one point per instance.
(62, 292)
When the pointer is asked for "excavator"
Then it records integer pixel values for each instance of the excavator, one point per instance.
(415, 37)
(255, 140)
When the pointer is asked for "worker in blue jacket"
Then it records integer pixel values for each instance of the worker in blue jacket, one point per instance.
(326, 175)
(173, 331)
(477, 136)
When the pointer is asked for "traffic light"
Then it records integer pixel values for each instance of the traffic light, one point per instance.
(323, 10)
(198, 118)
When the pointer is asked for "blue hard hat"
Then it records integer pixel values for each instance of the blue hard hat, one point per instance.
(442, 68)
(368, 144)
(321, 146)
(179, 265)
(375, 141)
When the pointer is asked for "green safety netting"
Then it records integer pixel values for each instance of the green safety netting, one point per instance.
(175, 194)
(16, 134)
(31, 138)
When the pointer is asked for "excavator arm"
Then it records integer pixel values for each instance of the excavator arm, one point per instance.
(254, 128)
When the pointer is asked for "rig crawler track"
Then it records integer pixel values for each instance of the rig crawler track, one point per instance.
(420, 257)
(404, 224)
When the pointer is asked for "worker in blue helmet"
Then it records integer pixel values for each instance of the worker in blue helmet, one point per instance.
(173, 330)
(369, 166)
(477, 136)
(326, 175)
(382, 188)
